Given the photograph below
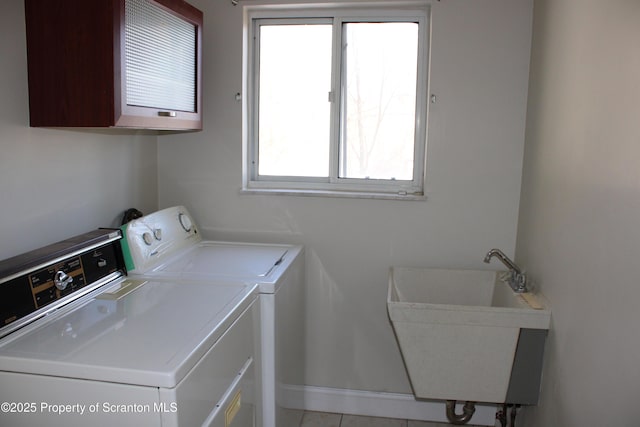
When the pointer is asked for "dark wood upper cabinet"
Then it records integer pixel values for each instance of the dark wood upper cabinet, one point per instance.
(114, 63)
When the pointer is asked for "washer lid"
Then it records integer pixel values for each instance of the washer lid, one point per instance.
(230, 260)
(137, 332)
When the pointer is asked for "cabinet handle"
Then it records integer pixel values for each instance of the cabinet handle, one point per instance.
(167, 113)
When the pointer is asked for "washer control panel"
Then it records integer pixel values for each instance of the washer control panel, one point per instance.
(157, 236)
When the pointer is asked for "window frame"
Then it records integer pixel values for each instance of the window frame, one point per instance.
(333, 185)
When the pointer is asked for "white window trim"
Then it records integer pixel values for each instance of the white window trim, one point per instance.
(334, 186)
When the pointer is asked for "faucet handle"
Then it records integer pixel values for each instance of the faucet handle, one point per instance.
(518, 282)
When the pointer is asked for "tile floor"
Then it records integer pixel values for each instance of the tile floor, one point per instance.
(323, 419)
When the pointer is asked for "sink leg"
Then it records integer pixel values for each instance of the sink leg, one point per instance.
(513, 413)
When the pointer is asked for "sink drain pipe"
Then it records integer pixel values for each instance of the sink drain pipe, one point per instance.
(467, 412)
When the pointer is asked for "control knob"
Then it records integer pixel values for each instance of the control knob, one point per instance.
(147, 238)
(62, 280)
(185, 222)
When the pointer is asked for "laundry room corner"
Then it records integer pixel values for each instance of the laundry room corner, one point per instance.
(472, 187)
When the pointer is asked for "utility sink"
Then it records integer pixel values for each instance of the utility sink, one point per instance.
(466, 335)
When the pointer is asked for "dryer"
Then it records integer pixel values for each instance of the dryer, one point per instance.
(167, 245)
(82, 344)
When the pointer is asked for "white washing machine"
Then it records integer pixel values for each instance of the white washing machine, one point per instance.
(84, 345)
(168, 245)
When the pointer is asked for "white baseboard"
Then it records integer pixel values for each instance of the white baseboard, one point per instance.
(375, 404)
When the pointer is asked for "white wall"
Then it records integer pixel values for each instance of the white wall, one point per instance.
(480, 62)
(55, 184)
(578, 231)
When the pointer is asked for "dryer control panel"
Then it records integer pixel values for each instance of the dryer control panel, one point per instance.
(56, 274)
(61, 279)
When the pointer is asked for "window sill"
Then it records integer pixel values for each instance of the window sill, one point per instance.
(335, 194)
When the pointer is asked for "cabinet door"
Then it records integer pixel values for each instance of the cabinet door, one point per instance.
(73, 56)
(114, 63)
(160, 65)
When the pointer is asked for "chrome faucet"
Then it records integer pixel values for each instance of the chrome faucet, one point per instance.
(517, 279)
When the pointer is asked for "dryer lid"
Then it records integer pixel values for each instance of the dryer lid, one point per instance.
(140, 332)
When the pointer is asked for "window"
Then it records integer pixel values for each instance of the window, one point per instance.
(336, 101)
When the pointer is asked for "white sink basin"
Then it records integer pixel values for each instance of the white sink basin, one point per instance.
(465, 335)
